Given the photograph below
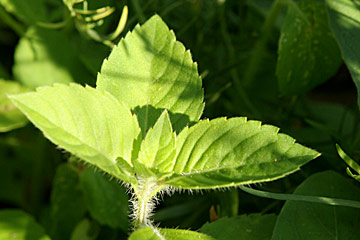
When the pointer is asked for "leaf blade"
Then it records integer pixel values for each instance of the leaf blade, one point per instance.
(157, 150)
(106, 200)
(167, 234)
(308, 52)
(90, 124)
(228, 152)
(10, 117)
(18, 224)
(322, 221)
(250, 227)
(344, 19)
(149, 58)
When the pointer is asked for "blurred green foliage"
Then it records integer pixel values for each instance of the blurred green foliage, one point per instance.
(245, 64)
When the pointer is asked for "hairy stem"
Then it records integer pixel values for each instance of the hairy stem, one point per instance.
(144, 201)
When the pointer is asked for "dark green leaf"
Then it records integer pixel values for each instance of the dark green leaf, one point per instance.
(28, 11)
(300, 220)
(308, 52)
(106, 200)
(67, 203)
(344, 18)
(249, 227)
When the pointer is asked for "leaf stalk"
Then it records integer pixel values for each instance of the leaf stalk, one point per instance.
(144, 201)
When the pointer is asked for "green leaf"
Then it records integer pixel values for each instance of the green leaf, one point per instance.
(157, 150)
(228, 205)
(93, 59)
(18, 225)
(344, 18)
(106, 200)
(10, 116)
(149, 67)
(249, 227)
(300, 220)
(228, 152)
(82, 230)
(88, 123)
(28, 11)
(85, 230)
(67, 203)
(167, 234)
(308, 52)
(44, 57)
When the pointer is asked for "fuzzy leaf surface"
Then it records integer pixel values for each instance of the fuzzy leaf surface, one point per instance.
(90, 124)
(149, 67)
(157, 150)
(167, 234)
(344, 16)
(10, 116)
(308, 52)
(227, 152)
(16, 224)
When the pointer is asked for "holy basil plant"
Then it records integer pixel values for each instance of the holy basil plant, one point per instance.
(141, 125)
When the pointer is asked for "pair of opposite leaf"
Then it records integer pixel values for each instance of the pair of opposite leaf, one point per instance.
(135, 124)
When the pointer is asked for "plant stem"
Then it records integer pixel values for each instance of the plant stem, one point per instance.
(144, 201)
(14, 25)
(260, 45)
(295, 197)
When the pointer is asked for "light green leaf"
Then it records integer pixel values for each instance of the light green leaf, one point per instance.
(308, 52)
(157, 150)
(228, 152)
(10, 116)
(86, 122)
(149, 67)
(67, 203)
(106, 200)
(344, 18)
(301, 220)
(167, 234)
(44, 57)
(18, 225)
(249, 227)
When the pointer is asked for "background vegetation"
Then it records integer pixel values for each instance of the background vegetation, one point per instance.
(288, 63)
